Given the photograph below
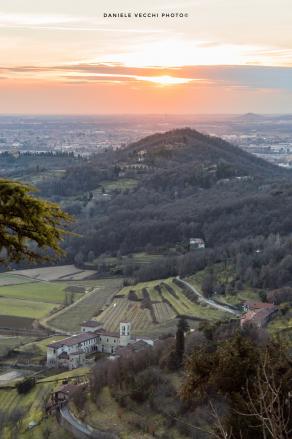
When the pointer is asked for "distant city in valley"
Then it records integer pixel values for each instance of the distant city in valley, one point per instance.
(267, 136)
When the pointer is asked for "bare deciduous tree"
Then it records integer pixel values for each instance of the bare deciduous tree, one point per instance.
(269, 401)
(272, 407)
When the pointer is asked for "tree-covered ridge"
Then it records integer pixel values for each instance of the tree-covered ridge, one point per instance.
(186, 144)
(156, 194)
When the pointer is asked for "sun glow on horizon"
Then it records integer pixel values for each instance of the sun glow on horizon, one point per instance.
(165, 80)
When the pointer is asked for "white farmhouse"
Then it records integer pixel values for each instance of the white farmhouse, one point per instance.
(196, 243)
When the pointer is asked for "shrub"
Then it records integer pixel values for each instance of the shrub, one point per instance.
(25, 385)
(132, 295)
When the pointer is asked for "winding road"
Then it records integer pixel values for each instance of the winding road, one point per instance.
(210, 302)
(83, 428)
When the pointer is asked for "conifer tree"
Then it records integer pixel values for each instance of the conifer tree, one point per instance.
(182, 327)
(29, 226)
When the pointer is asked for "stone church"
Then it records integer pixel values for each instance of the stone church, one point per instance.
(71, 352)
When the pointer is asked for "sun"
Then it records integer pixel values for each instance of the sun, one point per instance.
(165, 80)
(169, 80)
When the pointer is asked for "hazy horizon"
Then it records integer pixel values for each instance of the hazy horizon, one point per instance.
(143, 114)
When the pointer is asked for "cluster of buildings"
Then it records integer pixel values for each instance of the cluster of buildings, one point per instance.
(257, 313)
(72, 352)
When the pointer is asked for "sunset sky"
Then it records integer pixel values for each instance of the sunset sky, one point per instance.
(64, 57)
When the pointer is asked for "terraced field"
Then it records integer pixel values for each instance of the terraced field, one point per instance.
(168, 292)
(163, 312)
(184, 306)
(154, 304)
(123, 309)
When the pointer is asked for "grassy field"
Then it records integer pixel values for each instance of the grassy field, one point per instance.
(90, 306)
(122, 184)
(36, 299)
(145, 258)
(46, 292)
(25, 308)
(7, 343)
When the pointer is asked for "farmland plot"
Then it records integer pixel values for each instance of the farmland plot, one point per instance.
(13, 322)
(91, 305)
(25, 308)
(125, 310)
(163, 312)
(185, 306)
(63, 272)
(7, 343)
(13, 279)
(47, 292)
(139, 288)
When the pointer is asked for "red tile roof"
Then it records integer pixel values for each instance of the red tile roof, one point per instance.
(262, 314)
(108, 334)
(258, 305)
(75, 339)
(258, 316)
(91, 324)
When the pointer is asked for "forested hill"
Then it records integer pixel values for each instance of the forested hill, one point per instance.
(187, 146)
(161, 191)
(166, 188)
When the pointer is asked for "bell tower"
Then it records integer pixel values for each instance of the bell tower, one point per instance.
(125, 333)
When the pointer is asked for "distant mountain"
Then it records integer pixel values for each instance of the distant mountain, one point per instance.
(250, 117)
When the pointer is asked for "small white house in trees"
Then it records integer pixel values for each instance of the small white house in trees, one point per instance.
(196, 243)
